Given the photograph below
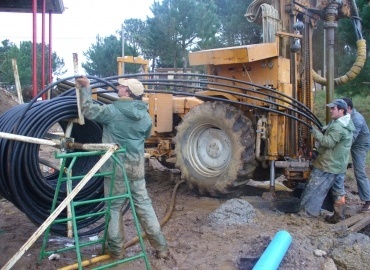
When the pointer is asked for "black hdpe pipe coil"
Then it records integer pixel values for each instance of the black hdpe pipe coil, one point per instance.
(21, 179)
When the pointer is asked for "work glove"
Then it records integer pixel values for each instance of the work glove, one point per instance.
(314, 153)
(324, 128)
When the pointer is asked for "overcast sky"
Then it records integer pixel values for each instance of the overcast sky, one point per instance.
(76, 29)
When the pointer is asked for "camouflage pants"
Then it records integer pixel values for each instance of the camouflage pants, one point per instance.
(144, 211)
(316, 189)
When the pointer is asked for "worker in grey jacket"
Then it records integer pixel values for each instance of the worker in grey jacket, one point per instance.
(332, 159)
(126, 122)
(360, 147)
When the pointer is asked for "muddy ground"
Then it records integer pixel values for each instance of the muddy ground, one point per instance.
(225, 233)
(210, 233)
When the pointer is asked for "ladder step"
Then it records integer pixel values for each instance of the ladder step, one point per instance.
(72, 220)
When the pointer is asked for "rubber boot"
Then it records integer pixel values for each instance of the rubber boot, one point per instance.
(115, 236)
(338, 211)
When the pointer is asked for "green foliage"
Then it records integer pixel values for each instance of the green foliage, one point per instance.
(177, 26)
(133, 29)
(360, 103)
(102, 57)
(319, 105)
(23, 56)
(346, 54)
(236, 30)
(161, 43)
(346, 51)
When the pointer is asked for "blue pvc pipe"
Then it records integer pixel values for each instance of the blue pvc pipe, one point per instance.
(275, 252)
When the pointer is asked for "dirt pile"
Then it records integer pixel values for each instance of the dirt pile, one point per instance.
(7, 100)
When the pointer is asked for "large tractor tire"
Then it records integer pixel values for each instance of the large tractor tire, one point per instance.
(215, 148)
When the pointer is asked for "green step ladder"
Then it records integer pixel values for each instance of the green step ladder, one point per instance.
(66, 176)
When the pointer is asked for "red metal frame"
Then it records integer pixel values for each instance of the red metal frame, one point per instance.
(50, 49)
(35, 71)
(34, 48)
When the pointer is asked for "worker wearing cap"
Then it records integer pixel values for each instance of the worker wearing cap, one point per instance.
(331, 162)
(360, 147)
(126, 122)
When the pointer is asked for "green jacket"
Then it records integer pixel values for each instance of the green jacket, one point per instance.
(125, 122)
(335, 145)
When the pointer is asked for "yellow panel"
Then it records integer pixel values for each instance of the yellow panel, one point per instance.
(268, 72)
(272, 72)
(277, 135)
(151, 103)
(164, 113)
(178, 105)
(182, 105)
(286, 89)
(284, 70)
(281, 135)
(273, 142)
(233, 55)
(134, 60)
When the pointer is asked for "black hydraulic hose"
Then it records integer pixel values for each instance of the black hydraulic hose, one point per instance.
(50, 86)
(356, 19)
(212, 98)
(299, 112)
(210, 81)
(21, 180)
(271, 93)
(301, 109)
(231, 102)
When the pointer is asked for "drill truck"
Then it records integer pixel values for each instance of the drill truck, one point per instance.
(250, 113)
(253, 108)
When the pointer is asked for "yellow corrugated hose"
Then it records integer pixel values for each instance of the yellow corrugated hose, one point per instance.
(353, 72)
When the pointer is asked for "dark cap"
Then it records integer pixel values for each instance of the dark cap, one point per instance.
(339, 103)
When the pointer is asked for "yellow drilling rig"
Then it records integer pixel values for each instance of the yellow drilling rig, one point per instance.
(253, 108)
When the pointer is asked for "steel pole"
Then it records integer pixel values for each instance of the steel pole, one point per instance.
(330, 26)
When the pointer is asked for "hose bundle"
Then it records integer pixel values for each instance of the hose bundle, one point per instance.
(21, 179)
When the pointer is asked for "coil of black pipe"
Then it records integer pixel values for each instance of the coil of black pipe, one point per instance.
(21, 179)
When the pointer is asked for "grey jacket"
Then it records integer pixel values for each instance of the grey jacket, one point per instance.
(361, 134)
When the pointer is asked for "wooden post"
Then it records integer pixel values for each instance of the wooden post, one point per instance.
(17, 82)
(81, 119)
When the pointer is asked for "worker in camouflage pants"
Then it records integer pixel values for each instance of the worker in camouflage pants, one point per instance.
(331, 162)
(126, 122)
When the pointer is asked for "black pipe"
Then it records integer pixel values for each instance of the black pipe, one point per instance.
(270, 93)
(21, 180)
